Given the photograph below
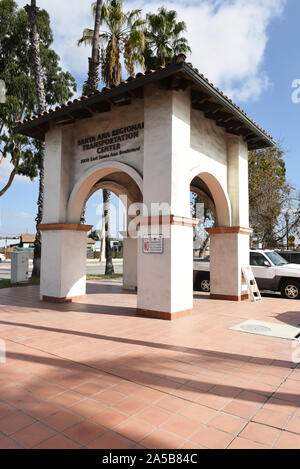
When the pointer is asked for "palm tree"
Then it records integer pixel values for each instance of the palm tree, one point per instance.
(123, 36)
(32, 12)
(90, 86)
(94, 61)
(109, 267)
(164, 38)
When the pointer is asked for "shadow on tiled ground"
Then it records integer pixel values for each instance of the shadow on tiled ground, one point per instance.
(92, 374)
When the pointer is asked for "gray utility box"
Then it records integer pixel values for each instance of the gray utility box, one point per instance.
(19, 267)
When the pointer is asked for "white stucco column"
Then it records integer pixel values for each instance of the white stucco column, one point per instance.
(63, 260)
(238, 180)
(229, 246)
(63, 266)
(130, 247)
(58, 171)
(165, 279)
(229, 252)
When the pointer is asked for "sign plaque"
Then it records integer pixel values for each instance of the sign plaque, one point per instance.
(153, 244)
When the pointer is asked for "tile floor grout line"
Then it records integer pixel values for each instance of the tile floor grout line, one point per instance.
(12, 440)
(162, 392)
(111, 374)
(60, 433)
(261, 407)
(267, 396)
(37, 420)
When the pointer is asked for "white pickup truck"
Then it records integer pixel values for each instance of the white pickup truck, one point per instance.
(271, 271)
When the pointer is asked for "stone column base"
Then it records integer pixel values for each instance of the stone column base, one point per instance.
(52, 299)
(162, 315)
(229, 298)
(130, 288)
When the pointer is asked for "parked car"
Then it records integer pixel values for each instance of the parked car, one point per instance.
(293, 257)
(272, 272)
(2, 257)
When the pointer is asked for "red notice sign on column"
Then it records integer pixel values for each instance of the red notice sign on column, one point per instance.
(153, 244)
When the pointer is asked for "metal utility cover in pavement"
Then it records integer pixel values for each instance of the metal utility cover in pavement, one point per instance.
(268, 329)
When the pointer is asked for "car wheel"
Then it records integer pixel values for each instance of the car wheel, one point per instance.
(205, 285)
(290, 290)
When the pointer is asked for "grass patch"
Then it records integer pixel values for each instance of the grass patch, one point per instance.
(5, 283)
(103, 277)
(114, 255)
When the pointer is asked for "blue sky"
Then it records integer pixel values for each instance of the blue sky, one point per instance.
(247, 48)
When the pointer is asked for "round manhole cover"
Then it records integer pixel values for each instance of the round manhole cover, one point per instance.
(250, 328)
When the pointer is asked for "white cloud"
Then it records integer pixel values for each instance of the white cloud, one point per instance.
(5, 170)
(23, 215)
(228, 37)
(228, 40)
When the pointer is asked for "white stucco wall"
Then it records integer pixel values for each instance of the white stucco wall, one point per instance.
(119, 117)
(238, 180)
(58, 168)
(207, 138)
(130, 263)
(176, 144)
(63, 266)
(228, 254)
(165, 280)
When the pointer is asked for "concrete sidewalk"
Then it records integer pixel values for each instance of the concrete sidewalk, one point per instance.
(93, 375)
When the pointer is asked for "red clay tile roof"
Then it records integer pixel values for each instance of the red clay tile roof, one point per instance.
(134, 82)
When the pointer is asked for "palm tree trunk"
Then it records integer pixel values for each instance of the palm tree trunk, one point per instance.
(94, 61)
(203, 247)
(32, 11)
(92, 85)
(109, 268)
(102, 241)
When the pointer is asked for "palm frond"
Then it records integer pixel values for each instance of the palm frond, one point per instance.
(87, 37)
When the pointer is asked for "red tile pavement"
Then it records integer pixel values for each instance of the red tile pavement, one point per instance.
(241, 443)
(93, 374)
(259, 433)
(57, 442)
(33, 435)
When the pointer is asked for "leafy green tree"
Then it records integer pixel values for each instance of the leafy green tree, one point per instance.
(123, 36)
(288, 222)
(271, 197)
(19, 149)
(164, 38)
(291, 242)
(16, 71)
(206, 218)
(32, 12)
(94, 235)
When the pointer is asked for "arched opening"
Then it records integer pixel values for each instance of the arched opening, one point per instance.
(125, 185)
(121, 178)
(210, 204)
